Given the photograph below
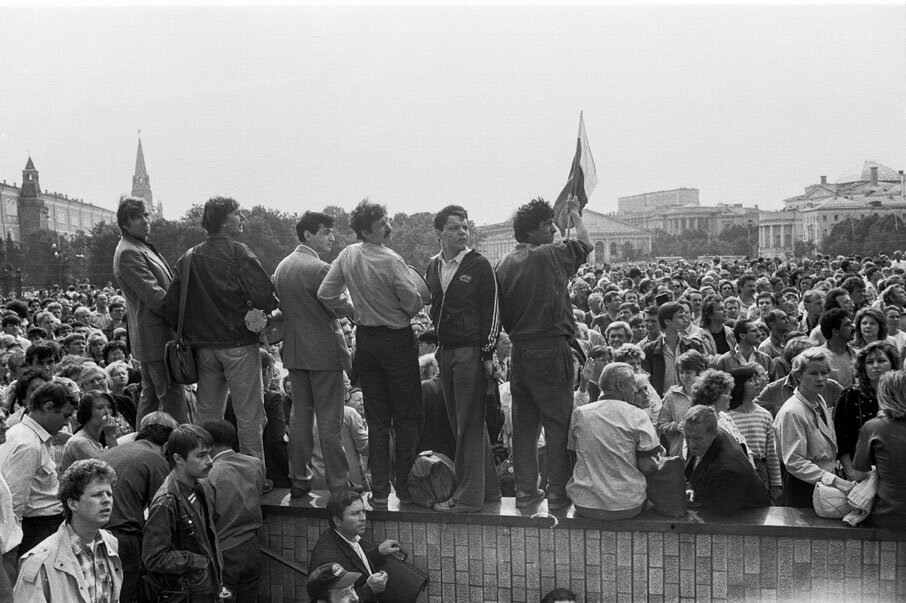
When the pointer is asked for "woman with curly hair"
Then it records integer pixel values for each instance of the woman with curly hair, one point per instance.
(869, 326)
(859, 402)
(756, 424)
(712, 388)
(882, 444)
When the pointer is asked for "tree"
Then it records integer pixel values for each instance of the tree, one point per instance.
(414, 238)
(872, 235)
(101, 246)
(739, 239)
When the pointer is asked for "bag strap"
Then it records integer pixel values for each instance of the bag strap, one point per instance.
(185, 271)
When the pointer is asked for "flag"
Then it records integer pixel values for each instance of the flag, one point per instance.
(582, 180)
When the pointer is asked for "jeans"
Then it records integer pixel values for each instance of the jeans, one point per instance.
(386, 361)
(236, 371)
(541, 386)
(158, 395)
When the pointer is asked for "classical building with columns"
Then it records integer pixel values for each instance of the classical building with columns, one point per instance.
(871, 188)
(613, 239)
(677, 211)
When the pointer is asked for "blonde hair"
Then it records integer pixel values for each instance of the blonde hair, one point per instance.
(892, 395)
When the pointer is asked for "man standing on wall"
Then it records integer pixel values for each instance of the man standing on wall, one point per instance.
(465, 313)
(537, 314)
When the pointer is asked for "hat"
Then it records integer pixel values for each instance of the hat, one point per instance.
(328, 576)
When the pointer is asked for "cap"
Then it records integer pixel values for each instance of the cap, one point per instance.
(328, 576)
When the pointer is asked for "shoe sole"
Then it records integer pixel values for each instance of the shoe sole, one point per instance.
(521, 504)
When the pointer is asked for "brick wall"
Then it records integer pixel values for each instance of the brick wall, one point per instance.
(660, 561)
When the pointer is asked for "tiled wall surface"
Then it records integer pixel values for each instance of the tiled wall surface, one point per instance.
(473, 563)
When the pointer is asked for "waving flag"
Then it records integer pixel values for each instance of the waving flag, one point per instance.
(582, 180)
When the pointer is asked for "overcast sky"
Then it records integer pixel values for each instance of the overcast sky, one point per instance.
(300, 107)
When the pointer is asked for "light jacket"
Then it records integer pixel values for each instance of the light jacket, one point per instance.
(50, 572)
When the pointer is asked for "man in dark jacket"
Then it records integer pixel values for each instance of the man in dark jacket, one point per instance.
(720, 473)
(225, 281)
(662, 353)
(464, 310)
(342, 543)
(536, 312)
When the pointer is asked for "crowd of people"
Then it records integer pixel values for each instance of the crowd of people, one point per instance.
(545, 377)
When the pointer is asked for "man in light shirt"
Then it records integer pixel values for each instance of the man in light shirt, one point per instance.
(386, 358)
(27, 464)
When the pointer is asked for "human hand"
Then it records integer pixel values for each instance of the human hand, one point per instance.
(843, 485)
(377, 582)
(108, 426)
(389, 547)
(572, 205)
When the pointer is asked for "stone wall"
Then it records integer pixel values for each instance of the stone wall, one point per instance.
(771, 555)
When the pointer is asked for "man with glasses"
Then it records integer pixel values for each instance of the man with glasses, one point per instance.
(225, 281)
(748, 337)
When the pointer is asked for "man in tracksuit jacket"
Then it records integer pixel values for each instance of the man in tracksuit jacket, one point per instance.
(465, 313)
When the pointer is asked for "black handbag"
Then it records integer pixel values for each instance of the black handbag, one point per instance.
(405, 582)
(178, 355)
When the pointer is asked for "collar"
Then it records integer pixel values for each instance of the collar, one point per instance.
(42, 433)
(815, 406)
(75, 541)
(457, 259)
(223, 454)
(217, 236)
(303, 248)
(128, 236)
(355, 539)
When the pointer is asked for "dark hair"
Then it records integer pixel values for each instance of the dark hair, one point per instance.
(19, 307)
(184, 439)
(743, 280)
(529, 217)
(862, 357)
(56, 393)
(741, 327)
(311, 221)
(853, 283)
(42, 351)
(110, 346)
(86, 406)
(22, 383)
(708, 309)
(773, 316)
(740, 375)
(129, 208)
(116, 304)
(831, 320)
(440, 220)
(559, 594)
(222, 432)
(215, 213)
(155, 433)
(830, 298)
(692, 360)
(339, 502)
(364, 215)
(10, 319)
(667, 311)
(861, 315)
(79, 476)
(428, 337)
(71, 338)
(36, 332)
(710, 386)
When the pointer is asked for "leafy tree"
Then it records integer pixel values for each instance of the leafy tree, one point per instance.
(99, 259)
(872, 235)
(740, 239)
(414, 238)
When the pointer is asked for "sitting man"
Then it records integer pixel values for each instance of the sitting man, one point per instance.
(330, 583)
(615, 443)
(721, 475)
(342, 543)
(79, 562)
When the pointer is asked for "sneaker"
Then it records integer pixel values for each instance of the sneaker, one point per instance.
(451, 506)
(556, 502)
(377, 503)
(527, 499)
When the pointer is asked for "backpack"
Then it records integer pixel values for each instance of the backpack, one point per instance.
(432, 478)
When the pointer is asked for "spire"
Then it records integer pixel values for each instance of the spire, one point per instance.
(29, 165)
(31, 187)
(141, 181)
(140, 169)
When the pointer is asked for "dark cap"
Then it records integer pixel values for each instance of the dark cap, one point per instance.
(329, 576)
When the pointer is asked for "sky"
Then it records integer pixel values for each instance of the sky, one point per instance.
(300, 107)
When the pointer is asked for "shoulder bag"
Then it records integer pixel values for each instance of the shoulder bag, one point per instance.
(178, 355)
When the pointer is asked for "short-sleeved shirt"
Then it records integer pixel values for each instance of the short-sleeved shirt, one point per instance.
(883, 443)
(606, 436)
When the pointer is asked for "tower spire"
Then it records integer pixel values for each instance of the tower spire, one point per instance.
(141, 181)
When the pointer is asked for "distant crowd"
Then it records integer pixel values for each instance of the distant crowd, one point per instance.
(547, 378)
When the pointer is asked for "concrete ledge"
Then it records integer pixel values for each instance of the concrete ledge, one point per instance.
(769, 521)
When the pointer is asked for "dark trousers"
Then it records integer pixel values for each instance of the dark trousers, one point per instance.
(386, 361)
(796, 493)
(465, 384)
(36, 529)
(541, 386)
(130, 552)
(242, 569)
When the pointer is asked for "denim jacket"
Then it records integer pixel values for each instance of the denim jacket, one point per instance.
(225, 281)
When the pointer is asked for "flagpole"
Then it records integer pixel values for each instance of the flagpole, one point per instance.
(572, 184)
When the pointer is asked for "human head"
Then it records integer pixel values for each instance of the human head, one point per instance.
(838, 298)
(749, 375)
(892, 395)
(617, 381)
(27, 383)
(155, 433)
(223, 434)
(114, 351)
(777, 322)
(452, 227)
(132, 217)
(159, 417)
(689, 366)
(533, 220)
(94, 405)
(666, 314)
(51, 406)
(78, 478)
(836, 320)
(366, 215)
(187, 447)
(617, 333)
(871, 354)
(869, 325)
(42, 355)
(315, 229)
(331, 583)
(93, 377)
(700, 429)
(338, 506)
(712, 388)
(631, 354)
(747, 331)
(216, 212)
